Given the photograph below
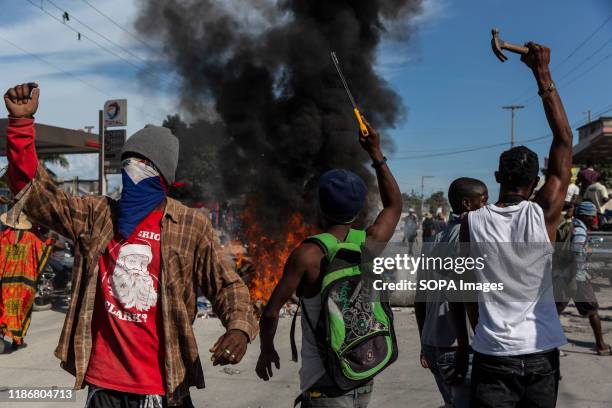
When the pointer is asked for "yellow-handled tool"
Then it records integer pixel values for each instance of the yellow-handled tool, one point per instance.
(362, 127)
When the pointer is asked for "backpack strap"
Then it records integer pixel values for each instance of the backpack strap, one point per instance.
(330, 245)
(294, 353)
(356, 237)
(327, 242)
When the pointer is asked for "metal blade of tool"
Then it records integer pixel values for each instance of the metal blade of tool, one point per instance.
(334, 59)
(362, 127)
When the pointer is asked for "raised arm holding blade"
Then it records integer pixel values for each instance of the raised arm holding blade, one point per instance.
(341, 197)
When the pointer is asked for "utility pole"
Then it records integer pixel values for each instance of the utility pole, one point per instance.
(512, 109)
(588, 113)
(423, 192)
(101, 178)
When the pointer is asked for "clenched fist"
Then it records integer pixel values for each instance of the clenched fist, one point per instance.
(370, 143)
(22, 100)
(537, 58)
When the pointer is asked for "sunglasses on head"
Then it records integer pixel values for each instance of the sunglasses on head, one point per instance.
(127, 161)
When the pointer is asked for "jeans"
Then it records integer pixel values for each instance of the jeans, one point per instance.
(325, 394)
(456, 396)
(528, 380)
(104, 398)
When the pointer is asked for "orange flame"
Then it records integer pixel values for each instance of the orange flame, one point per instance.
(267, 255)
(236, 249)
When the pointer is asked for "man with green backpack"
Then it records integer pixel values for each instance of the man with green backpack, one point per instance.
(347, 329)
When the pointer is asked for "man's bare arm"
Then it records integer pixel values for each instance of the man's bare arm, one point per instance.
(551, 196)
(384, 226)
(296, 266)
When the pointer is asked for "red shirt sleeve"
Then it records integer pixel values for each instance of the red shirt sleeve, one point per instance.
(21, 152)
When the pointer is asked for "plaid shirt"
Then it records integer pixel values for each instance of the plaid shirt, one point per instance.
(191, 258)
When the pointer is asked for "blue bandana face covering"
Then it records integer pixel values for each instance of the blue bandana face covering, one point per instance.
(143, 190)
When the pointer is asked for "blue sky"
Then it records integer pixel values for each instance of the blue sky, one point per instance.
(452, 85)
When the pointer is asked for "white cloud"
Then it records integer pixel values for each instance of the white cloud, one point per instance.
(394, 55)
(433, 11)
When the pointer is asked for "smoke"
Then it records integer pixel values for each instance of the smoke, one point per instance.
(264, 68)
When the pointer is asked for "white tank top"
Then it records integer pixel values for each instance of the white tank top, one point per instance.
(523, 318)
(312, 368)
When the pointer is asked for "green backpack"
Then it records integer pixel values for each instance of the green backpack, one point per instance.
(354, 333)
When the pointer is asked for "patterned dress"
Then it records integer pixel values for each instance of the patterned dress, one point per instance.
(22, 256)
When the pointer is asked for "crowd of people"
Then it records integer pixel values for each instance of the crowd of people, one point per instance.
(141, 261)
(513, 350)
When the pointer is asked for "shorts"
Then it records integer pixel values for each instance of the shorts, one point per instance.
(584, 299)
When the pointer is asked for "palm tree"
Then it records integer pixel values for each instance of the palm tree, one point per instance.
(56, 159)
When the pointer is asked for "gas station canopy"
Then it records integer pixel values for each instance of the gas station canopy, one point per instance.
(51, 140)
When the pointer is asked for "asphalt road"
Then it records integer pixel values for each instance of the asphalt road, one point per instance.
(585, 383)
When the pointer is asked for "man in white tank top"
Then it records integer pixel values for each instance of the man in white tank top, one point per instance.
(517, 330)
(342, 196)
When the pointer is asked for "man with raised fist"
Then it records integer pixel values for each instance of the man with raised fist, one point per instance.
(139, 263)
(517, 331)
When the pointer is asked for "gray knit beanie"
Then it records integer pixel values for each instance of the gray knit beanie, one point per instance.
(158, 145)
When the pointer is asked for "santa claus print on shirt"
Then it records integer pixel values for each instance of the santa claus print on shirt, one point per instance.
(131, 284)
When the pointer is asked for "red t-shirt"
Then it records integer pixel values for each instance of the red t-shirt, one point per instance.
(127, 352)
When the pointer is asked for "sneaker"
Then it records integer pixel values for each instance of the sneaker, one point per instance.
(15, 346)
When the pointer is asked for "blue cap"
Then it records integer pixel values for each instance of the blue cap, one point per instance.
(342, 195)
(586, 208)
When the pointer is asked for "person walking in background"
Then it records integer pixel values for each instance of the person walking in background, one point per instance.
(573, 192)
(411, 228)
(428, 227)
(431, 308)
(597, 193)
(586, 177)
(584, 296)
(22, 257)
(440, 222)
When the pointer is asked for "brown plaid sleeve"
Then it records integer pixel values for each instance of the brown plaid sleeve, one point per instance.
(223, 287)
(48, 205)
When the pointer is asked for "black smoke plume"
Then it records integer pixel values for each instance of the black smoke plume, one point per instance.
(264, 68)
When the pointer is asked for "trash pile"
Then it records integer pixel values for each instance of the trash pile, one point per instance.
(288, 310)
(230, 371)
(205, 309)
